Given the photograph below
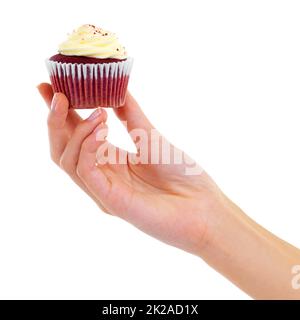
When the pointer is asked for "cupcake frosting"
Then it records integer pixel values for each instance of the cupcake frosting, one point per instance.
(91, 41)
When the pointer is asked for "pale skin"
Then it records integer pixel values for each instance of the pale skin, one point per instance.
(186, 211)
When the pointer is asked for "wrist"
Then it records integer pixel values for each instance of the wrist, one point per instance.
(248, 255)
(214, 213)
(222, 222)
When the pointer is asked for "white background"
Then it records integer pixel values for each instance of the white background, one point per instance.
(221, 79)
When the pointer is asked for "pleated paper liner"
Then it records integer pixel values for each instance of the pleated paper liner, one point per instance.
(91, 85)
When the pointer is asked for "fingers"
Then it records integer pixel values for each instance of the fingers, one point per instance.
(69, 158)
(132, 113)
(57, 117)
(94, 178)
(67, 132)
(47, 93)
(103, 178)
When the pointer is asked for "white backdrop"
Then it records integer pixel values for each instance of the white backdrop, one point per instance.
(220, 79)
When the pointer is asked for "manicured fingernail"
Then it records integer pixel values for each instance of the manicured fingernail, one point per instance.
(54, 101)
(95, 114)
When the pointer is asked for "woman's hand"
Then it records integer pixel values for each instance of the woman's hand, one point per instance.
(160, 199)
(171, 202)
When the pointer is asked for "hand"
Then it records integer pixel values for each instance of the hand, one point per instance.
(159, 199)
(187, 211)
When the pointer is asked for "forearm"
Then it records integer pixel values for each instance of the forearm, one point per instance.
(251, 257)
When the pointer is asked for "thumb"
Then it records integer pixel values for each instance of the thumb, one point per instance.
(132, 114)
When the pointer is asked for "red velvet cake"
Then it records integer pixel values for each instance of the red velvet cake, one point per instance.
(92, 69)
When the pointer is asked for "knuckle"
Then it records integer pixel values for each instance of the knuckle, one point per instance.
(50, 120)
(63, 163)
(80, 169)
(66, 165)
(55, 121)
(85, 143)
(81, 128)
(54, 157)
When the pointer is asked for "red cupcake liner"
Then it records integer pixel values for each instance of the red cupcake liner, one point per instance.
(91, 85)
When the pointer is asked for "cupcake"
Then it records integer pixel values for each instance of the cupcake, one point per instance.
(91, 68)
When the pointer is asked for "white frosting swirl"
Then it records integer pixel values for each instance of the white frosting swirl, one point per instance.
(90, 41)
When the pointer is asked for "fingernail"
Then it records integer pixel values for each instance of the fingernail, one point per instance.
(39, 90)
(95, 114)
(54, 101)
